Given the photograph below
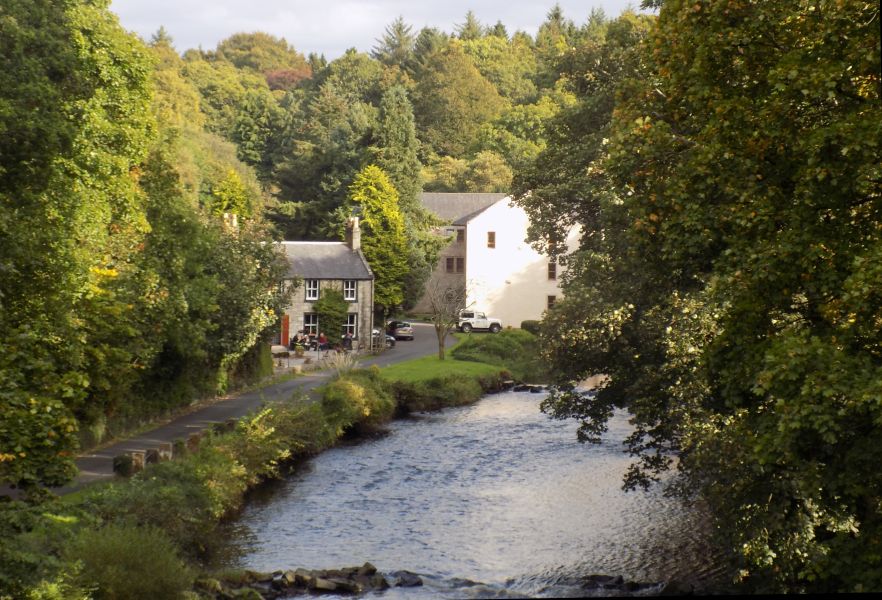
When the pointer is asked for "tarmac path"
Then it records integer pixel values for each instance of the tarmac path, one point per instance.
(97, 465)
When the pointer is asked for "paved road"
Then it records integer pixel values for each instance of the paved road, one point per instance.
(98, 465)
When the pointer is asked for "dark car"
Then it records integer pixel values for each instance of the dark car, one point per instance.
(400, 330)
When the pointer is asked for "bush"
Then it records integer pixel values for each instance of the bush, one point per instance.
(517, 350)
(436, 394)
(360, 399)
(531, 326)
(122, 562)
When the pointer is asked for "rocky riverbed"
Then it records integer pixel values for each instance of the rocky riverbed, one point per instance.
(256, 585)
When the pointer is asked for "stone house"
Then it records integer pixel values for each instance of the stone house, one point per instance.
(329, 265)
(502, 274)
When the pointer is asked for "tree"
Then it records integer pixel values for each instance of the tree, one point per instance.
(332, 309)
(75, 122)
(261, 52)
(725, 282)
(445, 302)
(384, 242)
(509, 65)
(396, 47)
(471, 28)
(396, 146)
(451, 101)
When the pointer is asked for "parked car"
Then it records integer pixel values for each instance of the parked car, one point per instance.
(387, 339)
(473, 319)
(400, 330)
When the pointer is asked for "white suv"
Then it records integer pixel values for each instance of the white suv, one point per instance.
(472, 319)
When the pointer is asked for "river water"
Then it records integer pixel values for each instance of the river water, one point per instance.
(489, 500)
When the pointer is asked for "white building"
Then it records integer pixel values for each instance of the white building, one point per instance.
(503, 275)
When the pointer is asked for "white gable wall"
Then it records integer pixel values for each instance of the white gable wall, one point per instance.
(510, 281)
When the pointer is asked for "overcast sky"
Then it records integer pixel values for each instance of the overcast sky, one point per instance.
(329, 27)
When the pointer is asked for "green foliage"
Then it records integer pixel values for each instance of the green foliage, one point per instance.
(125, 562)
(332, 309)
(531, 326)
(260, 52)
(730, 214)
(486, 172)
(71, 220)
(28, 555)
(509, 65)
(436, 393)
(359, 399)
(384, 242)
(451, 101)
(515, 349)
(396, 47)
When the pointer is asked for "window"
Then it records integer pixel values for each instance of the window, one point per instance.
(350, 290)
(460, 235)
(552, 270)
(310, 324)
(491, 239)
(550, 303)
(351, 326)
(312, 289)
(455, 264)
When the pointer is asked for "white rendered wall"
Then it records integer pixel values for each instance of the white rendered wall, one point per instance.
(510, 281)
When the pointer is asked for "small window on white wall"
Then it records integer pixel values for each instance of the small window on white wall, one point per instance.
(350, 290)
(312, 289)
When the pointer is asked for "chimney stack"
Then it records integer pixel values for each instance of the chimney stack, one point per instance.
(353, 234)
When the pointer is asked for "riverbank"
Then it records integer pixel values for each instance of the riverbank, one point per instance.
(174, 508)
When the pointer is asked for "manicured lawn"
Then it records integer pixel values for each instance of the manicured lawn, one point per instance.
(429, 367)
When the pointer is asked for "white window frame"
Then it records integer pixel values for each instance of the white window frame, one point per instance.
(312, 289)
(351, 326)
(310, 323)
(350, 290)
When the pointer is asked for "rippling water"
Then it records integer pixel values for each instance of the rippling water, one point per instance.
(494, 493)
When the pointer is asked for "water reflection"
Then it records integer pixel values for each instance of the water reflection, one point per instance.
(494, 493)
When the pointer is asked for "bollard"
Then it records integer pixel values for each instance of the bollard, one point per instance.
(166, 451)
(138, 460)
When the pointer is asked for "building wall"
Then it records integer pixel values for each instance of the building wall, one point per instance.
(510, 281)
(440, 275)
(363, 307)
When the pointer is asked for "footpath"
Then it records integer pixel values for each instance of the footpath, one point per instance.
(97, 465)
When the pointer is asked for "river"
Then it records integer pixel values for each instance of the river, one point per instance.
(489, 500)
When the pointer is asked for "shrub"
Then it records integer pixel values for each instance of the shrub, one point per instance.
(30, 536)
(436, 394)
(359, 399)
(124, 562)
(531, 326)
(516, 350)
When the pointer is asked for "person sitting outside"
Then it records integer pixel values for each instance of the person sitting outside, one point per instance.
(347, 342)
(299, 340)
(323, 342)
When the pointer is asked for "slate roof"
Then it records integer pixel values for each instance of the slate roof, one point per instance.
(458, 208)
(325, 260)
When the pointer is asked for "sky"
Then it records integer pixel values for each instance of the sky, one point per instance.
(330, 27)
